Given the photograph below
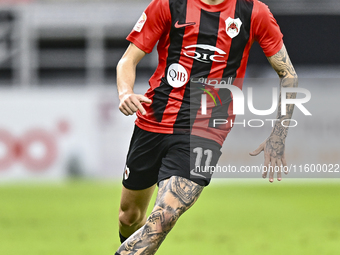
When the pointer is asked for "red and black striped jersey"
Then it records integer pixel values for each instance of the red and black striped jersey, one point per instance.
(197, 40)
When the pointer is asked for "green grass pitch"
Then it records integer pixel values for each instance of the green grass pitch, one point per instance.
(80, 218)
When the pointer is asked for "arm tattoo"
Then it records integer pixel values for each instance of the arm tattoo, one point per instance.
(174, 197)
(288, 78)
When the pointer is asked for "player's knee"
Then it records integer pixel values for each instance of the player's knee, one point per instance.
(130, 217)
(162, 220)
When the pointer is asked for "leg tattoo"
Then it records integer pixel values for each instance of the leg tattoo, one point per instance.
(175, 196)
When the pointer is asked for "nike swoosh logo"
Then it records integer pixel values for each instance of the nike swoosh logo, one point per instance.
(192, 172)
(184, 25)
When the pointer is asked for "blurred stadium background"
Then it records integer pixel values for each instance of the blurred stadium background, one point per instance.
(63, 140)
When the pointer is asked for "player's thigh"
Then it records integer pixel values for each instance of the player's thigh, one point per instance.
(144, 159)
(187, 156)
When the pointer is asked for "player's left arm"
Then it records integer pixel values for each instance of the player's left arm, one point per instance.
(274, 145)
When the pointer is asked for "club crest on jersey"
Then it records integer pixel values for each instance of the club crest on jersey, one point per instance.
(140, 23)
(233, 27)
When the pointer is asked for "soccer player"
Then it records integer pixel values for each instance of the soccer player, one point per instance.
(197, 40)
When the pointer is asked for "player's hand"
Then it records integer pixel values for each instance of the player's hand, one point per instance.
(131, 103)
(274, 157)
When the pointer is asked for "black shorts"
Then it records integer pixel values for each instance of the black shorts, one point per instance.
(153, 157)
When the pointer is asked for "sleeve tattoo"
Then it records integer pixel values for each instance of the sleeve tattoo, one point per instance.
(288, 78)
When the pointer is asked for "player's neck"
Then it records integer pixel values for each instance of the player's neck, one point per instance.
(213, 2)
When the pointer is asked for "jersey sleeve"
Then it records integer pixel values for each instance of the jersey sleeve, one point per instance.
(151, 25)
(266, 30)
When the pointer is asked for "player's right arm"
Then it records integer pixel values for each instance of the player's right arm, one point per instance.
(126, 76)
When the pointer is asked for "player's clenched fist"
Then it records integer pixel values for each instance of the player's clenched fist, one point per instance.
(130, 103)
